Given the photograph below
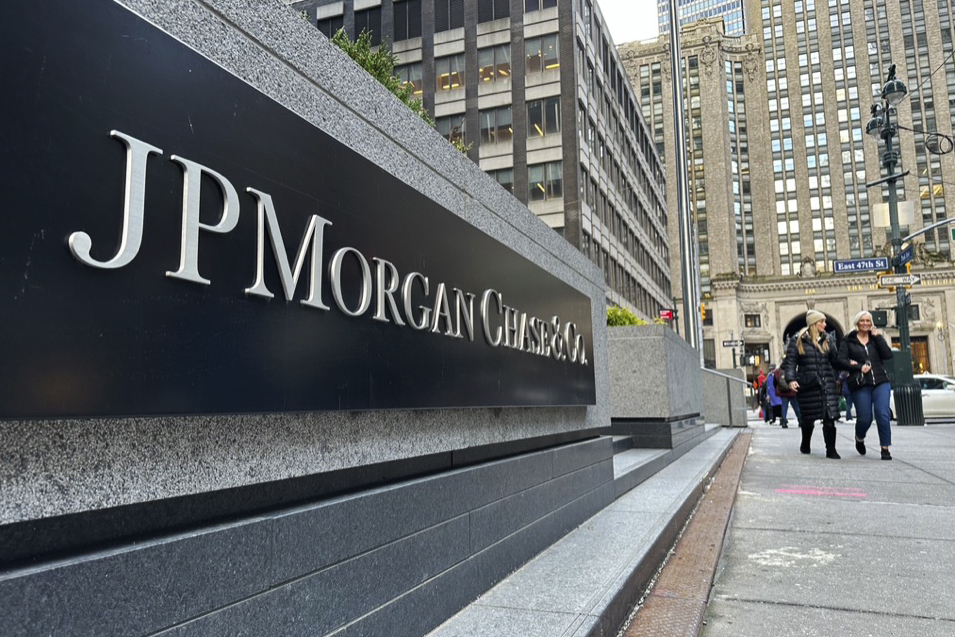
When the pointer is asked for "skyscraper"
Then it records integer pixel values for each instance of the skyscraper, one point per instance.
(779, 165)
(730, 11)
(537, 88)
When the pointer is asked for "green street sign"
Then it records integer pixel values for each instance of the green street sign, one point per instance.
(953, 233)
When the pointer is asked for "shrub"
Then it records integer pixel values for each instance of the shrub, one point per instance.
(380, 65)
(620, 317)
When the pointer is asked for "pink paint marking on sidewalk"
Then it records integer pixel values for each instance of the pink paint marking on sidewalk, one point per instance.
(835, 492)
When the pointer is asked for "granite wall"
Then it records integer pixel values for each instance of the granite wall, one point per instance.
(133, 525)
(724, 397)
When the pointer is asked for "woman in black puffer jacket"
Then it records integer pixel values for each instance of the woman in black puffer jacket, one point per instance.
(810, 361)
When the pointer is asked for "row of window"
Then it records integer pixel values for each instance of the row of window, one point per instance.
(448, 14)
(543, 118)
(494, 65)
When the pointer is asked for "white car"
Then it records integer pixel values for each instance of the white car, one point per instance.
(938, 396)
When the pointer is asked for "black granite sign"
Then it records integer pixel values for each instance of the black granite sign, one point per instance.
(172, 241)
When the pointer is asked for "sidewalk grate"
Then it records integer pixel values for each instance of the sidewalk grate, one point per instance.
(675, 605)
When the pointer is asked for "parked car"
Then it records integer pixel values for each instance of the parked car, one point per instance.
(938, 396)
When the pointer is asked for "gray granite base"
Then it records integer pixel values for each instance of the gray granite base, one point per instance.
(394, 560)
(658, 434)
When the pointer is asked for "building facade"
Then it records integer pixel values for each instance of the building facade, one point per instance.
(537, 91)
(779, 164)
(731, 12)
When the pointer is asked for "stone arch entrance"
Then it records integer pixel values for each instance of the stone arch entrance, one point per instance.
(799, 321)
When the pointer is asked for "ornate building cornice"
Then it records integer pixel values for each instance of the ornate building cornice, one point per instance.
(822, 283)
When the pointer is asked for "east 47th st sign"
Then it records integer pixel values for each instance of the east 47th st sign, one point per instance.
(848, 266)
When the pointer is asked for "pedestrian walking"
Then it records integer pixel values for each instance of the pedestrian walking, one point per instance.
(864, 352)
(773, 402)
(810, 361)
(787, 397)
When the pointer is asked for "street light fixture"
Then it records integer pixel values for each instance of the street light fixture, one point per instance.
(908, 397)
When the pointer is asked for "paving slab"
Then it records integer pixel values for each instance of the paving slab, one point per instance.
(857, 546)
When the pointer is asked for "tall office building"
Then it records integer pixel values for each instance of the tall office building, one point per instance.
(537, 88)
(779, 163)
(731, 12)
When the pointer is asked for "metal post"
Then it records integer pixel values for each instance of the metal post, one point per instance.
(889, 161)
(688, 265)
(908, 396)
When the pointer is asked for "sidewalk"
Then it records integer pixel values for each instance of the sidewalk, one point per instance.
(851, 547)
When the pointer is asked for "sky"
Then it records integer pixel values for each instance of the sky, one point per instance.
(630, 20)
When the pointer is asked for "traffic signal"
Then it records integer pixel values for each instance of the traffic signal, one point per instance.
(702, 312)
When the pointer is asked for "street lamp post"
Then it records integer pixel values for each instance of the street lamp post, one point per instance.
(908, 397)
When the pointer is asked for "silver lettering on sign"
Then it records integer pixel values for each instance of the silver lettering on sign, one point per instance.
(535, 335)
(570, 339)
(442, 310)
(335, 270)
(545, 339)
(521, 342)
(189, 255)
(464, 308)
(406, 299)
(556, 340)
(510, 326)
(133, 203)
(386, 290)
(494, 338)
(313, 238)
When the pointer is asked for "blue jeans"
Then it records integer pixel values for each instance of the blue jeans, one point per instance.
(786, 403)
(849, 402)
(871, 401)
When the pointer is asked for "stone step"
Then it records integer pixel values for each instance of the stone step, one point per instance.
(622, 443)
(586, 584)
(633, 466)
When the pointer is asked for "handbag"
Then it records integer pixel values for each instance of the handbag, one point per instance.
(782, 384)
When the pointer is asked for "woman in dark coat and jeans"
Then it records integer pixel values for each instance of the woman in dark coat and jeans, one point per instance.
(810, 362)
(864, 353)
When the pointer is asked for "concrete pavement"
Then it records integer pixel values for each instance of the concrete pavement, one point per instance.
(851, 547)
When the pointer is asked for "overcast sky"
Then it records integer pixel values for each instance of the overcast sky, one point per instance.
(630, 20)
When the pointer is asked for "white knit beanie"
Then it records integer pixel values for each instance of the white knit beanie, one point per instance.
(814, 316)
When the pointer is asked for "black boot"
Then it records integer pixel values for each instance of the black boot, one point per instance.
(829, 435)
(806, 436)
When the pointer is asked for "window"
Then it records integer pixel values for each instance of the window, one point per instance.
(452, 128)
(541, 54)
(543, 117)
(369, 20)
(537, 5)
(407, 20)
(330, 26)
(410, 74)
(449, 72)
(707, 316)
(751, 320)
(493, 10)
(545, 181)
(494, 63)
(504, 177)
(496, 125)
(448, 14)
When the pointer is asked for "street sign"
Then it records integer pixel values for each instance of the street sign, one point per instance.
(899, 280)
(733, 343)
(906, 255)
(847, 266)
(666, 315)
